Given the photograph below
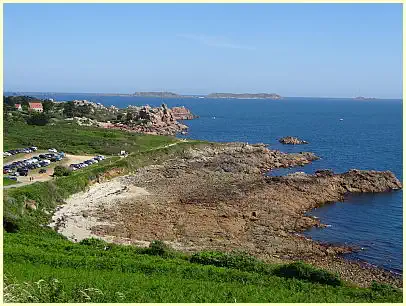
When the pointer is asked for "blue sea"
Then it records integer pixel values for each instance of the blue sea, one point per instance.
(368, 137)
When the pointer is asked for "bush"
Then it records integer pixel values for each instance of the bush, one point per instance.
(61, 171)
(236, 260)
(38, 119)
(94, 242)
(383, 289)
(306, 272)
(159, 248)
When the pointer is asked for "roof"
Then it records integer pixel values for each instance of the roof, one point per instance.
(35, 104)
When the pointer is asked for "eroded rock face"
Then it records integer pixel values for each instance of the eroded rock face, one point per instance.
(292, 140)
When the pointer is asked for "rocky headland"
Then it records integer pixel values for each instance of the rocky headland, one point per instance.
(216, 196)
(292, 140)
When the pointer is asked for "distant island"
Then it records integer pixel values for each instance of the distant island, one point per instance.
(166, 94)
(364, 98)
(163, 94)
(272, 96)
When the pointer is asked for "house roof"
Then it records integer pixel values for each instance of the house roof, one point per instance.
(35, 104)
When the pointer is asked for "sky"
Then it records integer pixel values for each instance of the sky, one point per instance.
(295, 50)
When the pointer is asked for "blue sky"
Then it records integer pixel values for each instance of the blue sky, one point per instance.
(324, 50)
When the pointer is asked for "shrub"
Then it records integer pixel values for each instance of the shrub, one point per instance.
(94, 242)
(61, 171)
(159, 248)
(306, 272)
(383, 289)
(38, 119)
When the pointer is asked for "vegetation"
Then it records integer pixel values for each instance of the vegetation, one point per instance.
(7, 181)
(69, 137)
(38, 119)
(43, 266)
(61, 171)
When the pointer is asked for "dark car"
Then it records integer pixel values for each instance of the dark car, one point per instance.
(53, 159)
(42, 156)
(42, 163)
(23, 172)
(43, 171)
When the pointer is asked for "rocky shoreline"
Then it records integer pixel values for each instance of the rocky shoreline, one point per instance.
(215, 196)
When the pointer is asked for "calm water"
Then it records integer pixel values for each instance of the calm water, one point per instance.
(368, 137)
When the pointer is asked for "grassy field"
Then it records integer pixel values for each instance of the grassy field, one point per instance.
(71, 138)
(42, 266)
(8, 182)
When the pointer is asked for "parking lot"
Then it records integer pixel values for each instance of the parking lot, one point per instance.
(39, 165)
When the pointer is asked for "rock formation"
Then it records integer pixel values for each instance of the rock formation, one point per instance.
(292, 140)
(182, 113)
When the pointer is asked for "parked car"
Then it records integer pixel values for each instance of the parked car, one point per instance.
(52, 150)
(42, 156)
(43, 171)
(23, 173)
(34, 148)
(11, 178)
(6, 154)
(62, 154)
(53, 159)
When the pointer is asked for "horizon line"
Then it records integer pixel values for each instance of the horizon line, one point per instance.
(129, 94)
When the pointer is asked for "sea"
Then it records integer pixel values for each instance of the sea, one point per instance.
(345, 133)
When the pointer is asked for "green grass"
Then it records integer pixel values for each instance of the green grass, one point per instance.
(8, 182)
(42, 266)
(130, 274)
(71, 138)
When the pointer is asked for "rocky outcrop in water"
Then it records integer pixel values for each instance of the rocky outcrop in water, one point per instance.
(292, 140)
(182, 113)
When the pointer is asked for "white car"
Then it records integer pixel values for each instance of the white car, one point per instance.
(6, 154)
(52, 150)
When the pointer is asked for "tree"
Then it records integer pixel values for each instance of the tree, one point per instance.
(38, 119)
(61, 171)
(69, 109)
(47, 105)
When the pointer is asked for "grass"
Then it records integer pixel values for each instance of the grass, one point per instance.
(71, 138)
(8, 182)
(113, 273)
(42, 266)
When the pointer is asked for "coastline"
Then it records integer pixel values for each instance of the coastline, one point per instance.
(224, 201)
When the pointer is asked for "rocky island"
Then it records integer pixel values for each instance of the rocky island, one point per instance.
(292, 140)
(364, 98)
(156, 94)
